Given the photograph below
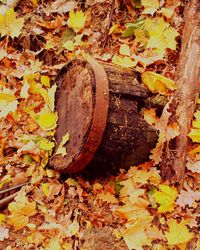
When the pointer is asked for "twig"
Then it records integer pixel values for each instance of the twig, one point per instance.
(109, 24)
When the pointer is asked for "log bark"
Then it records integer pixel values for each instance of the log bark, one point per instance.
(99, 105)
(182, 104)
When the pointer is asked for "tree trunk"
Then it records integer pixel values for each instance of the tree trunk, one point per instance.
(182, 104)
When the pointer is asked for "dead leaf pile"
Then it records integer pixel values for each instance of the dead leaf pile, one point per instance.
(136, 208)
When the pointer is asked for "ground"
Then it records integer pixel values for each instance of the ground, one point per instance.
(133, 209)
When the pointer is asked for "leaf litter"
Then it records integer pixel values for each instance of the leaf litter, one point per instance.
(134, 209)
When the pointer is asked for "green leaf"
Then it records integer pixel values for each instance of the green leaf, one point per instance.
(131, 27)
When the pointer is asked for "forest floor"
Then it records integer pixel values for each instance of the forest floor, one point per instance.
(134, 209)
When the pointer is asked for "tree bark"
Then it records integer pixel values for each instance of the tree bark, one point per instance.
(124, 138)
(183, 102)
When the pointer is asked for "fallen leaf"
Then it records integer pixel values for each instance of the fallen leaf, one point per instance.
(195, 135)
(166, 198)
(8, 102)
(24, 90)
(54, 244)
(61, 149)
(4, 233)
(10, 25)
(107, 197)
(135, 235)
(46, 188)
(150, 6)
(178, 233)
(47, 120)
(125, 50)
(45, 81)
(161, 35)
(76, 20)
(158, 83)
(188, 198)
(125, 62)
(20, 211)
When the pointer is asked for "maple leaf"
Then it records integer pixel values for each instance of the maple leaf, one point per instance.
(150, 6)
(4, 233)
(76, 20)
(46, 188)
(47, 120)
(188, 198)
(125, 62)
(135, 235)
(161, 35)
(133, 212)
(107, 197)
(142, 176)
(178, 233)
(8, 102)
(54, 244)
(150, 116)
(166, 198)
(157, 83)
(10, 25)
(61, 149)
(45, 81)
(195, 135)
(21, 209)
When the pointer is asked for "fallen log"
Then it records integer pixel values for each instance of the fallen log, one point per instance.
(183, 102)
(99, 106)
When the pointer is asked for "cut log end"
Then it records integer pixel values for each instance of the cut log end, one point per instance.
(99, 106)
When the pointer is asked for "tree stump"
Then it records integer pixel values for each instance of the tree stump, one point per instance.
(99, 106)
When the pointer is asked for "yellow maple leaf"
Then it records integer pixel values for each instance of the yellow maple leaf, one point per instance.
(158, 83)
(8, 102)
(45, 144)
(178, 233)
(167, 12)
(125, 62)
(107, 197)
(161, 35)
(45, 188)
(73, 228)
(150, 6)
(76, 20)
(133, 212)
(166, 197)
(61, 149)
(142, 177)
(45, 81)
(21, 209)
(69, 45)
(195, 135)
(46, 119)
(2, 218)
(135, 235)
(10, 25)
(54, 244)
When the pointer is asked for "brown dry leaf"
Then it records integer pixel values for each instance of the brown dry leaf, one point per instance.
(4, 233)
(188, 198)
